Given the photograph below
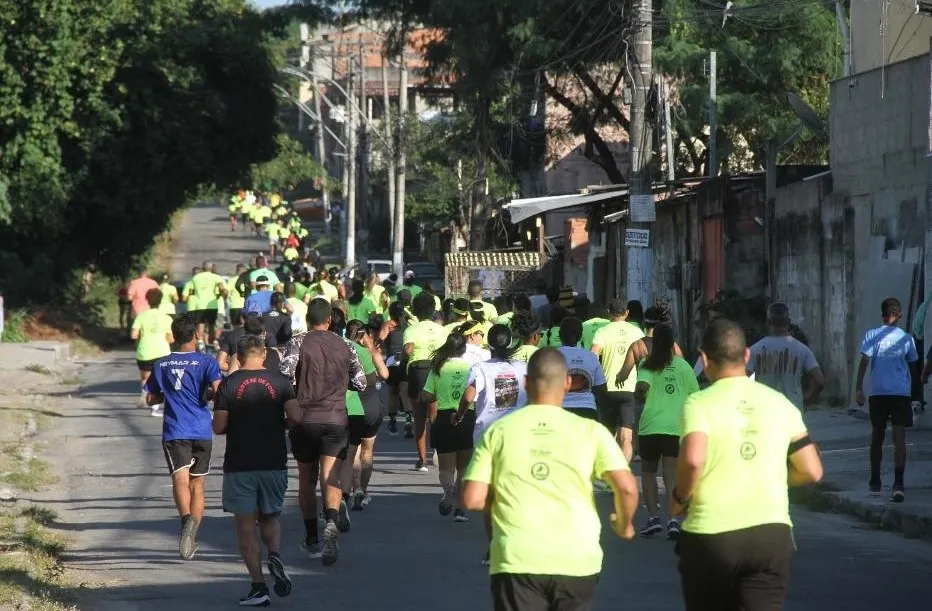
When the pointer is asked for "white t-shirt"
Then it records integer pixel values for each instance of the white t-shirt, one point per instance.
(780, 362)
(499, 391)
(586, 373)
(476, 354)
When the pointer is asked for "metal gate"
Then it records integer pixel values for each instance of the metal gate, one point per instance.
(499, 272)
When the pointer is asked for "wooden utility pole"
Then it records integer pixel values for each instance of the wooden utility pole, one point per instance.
(390, 153)
(640, 258)
(321, 151)
(398, 239)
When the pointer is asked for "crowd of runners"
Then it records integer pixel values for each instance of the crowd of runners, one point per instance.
(531, 404)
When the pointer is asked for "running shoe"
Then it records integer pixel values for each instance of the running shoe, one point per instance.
(283, 584)
(187, 544)
(358, 499)
(446, 503)
(312, 548)
(257, 597)
(460, 516)
(421, 466)
(873, 487)
(409, 430)
(899, 493)
(392, 427)
(486, 560)
(654, 526)
(343, 521)
(157, 412)
(331, 549)
(673, 530)
(366, 500)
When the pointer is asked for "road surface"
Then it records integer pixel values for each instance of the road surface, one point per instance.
(400, 555)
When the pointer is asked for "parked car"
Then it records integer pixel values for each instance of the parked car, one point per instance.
(383, 267)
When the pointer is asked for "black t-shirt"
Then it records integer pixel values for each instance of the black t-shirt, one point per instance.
(277, 329)
(255, 401)
(229, 341)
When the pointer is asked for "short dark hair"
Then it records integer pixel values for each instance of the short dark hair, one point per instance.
(724, 342)
(154, 297)
(250, 344)
(184, 328)
(570, 331)
(617, 306)
(523, 302)
(423, 306)
(475, 288)
(546, 364)
(254, 325)
(461, 305)
(553, 294)
(318, 312)
(890, 308)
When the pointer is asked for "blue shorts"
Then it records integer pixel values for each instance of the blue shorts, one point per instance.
(246, 492)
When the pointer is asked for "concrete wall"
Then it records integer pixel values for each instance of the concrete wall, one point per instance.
(885, 32)
(813, 263)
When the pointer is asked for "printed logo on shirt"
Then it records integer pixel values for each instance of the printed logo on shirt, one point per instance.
(580, 380)
(506, 391)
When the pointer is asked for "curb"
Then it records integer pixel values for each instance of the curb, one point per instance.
(882, 516)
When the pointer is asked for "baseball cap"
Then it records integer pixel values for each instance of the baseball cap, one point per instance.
(409, 274)
(262, 280)
(617, 306)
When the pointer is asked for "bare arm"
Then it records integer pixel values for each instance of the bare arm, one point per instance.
(691, 463)
(805, 465)
(859, 385)
(221, 421)
(468, 398)
(409, 348)
(816, 384)
(631, 359)
(475, 495)
(640, 391)
(292, 413)
(625, 489)
(134, 335)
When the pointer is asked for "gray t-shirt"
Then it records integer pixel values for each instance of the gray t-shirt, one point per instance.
(780, 362)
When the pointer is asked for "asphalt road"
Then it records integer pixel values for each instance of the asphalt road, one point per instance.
(401, 554)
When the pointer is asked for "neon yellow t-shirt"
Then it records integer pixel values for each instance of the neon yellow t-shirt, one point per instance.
(291, 254)
(323, 289)
(205, 287)
(524, 353)
(669, 389)
(448, 386)
(361, 310)
(283, 232)
(375, 295)
(191, 298)
(551, 338)
(540, 462)
(490, 312)
(616, 338)
(426, 336)
(590, 328)
(299, 316)
(743, 484)
(354, 405)
(169, 298)
(414, 289)
(237, 301)
(505, 319)
(453, 326)
(153, 327)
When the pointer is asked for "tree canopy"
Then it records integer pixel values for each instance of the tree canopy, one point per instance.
(112, 114)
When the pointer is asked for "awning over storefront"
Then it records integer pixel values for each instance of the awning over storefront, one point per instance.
(522, 209)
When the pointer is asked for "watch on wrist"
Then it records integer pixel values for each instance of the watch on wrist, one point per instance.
(679, 499)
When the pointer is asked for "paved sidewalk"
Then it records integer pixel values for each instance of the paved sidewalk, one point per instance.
(49, 355)
(844, 439)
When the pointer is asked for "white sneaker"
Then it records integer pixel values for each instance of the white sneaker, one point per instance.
(157, 411)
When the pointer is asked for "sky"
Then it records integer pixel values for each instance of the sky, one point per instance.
(269, 3)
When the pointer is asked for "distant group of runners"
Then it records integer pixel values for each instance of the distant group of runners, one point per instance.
(530, 404)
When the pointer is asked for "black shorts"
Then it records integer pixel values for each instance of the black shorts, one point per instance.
(417, 378)
(206, 317)
(652, 447)
(311, 441)
(898, 410)
(191, 454)
(397, 375)
(235, 315)
(145, 365)
(618, 411)
(584, 412)
(512, 592)
(368, 425)
(447, 438)
(746, 569)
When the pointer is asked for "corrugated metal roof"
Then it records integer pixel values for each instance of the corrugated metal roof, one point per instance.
(497, 260)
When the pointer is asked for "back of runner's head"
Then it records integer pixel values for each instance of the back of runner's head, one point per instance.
(278, 301)
(142, 271)
(891, 310)
(262, 281)
(570, 331)
(547, 379)
(477, 311)
(337, 320)
(359, 289)
(291, 290)
(455, 346)
(396, 311)
(460, 308)
(154, 297)
(240, 268)
(260, 262)
(557, 314)
(355, 330)
(522, 303)
(500, 342)
(404, 296)
(318, 313)
(618, 307)
(254, 324)
(184, 328)
(165, 278)
(475, 289)
(778, 317)
(661, 350)
(423, 306)
(525, 326)
(553, 294)
(582, 308)
(208, 266)
(195, 270)
(504, 303)
(724, 347)
(251, 347)
(635, 311)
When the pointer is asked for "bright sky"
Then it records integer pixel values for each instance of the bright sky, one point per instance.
(268, 3)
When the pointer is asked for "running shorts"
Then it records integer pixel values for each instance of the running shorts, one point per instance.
(618, 411)
(145, 365)
(236, 314)
(417, 378)
(514, 592)
(246, 492)
(654, 447)
(584, 412)
(446, 438)
(191, 454)
(896, 409)
(397, 375)
(207, 317)
(311, 441)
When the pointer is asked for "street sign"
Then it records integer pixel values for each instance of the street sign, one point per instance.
(642, 209)
(639, 238)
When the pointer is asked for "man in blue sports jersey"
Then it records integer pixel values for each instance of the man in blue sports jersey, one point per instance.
(185, 381)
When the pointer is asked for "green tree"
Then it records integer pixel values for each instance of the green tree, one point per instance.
(290, 167)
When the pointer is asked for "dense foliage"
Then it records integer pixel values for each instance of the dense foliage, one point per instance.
(112, 114)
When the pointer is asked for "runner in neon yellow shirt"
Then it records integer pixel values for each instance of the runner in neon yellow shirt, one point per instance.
(169, 296)
(237, 299)
(449, 373)
(359, 306)
(376, 292)
(152, 332)
(188, 295)
(536, 467)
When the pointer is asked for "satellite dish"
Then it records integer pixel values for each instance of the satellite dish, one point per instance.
(809, 117)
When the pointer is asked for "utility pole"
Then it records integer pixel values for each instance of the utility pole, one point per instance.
(351, 170)
(398, 239)
(641, 209)
(389, 154)
(321, 152)
(713, 115)
(364, 157)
